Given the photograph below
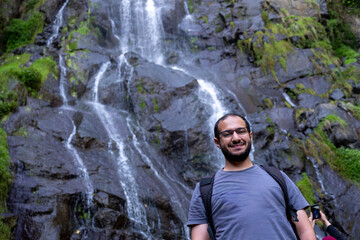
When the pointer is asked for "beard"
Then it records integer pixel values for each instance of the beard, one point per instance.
(240, 157)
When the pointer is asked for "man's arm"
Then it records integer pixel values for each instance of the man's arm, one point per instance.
(303, 226)
(199, 232)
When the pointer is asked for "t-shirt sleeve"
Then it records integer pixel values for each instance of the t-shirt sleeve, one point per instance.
(295, 196)
(197, 213)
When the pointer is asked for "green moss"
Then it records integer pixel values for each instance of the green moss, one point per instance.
(46, 66)
(33, 5)
(156, 105)
(355, 110)
(9, 71)
(205, 18)
(83, 29)
(267, 53)
(306, 188)
(288, 105)
(23, 32)
(268, 103)
(352, 73)
(5, 180)
(8, 102)
(348, 53)
(191, 5)
(232, 25)
(140, 87)
(348, 163)
(265, 18)
(300, 88)
(142, 104)
(21, 132)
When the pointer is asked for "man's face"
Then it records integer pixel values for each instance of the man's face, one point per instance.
(234, 139)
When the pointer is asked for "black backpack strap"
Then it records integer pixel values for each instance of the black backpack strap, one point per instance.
(206, 186)
(291, 212)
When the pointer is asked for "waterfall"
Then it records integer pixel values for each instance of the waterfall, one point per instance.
(287, 98)
(218, 110)
(141, 29)
(187, 10)
(57, 24)
(81, 166)
(62, 80)
(319, 177)
(175, 197)
(135, 209)
(78, 160)
(71, 149)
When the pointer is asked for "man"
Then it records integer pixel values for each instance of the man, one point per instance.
(247, 203)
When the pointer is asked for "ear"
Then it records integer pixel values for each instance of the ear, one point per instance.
(217, 142)
(251, 135)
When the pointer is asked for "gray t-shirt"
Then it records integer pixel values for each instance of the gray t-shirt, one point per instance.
(248, 204)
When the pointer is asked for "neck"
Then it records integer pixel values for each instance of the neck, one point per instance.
(238, 166)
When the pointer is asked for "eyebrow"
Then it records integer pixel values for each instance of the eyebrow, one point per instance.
(233, 129)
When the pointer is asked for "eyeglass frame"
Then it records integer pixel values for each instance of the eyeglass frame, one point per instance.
(239, 131)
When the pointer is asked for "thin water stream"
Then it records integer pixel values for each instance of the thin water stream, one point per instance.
(57, 24)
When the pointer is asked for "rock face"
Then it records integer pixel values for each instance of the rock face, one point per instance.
(112, 147)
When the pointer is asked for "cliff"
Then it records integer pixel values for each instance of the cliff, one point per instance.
(109, 106)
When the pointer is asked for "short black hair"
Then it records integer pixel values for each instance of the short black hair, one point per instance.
(216, 128)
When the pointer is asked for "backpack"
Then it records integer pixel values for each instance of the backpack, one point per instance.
(206, 186)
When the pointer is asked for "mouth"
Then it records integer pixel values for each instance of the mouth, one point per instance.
(238, 145)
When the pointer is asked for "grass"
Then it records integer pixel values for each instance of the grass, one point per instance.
(5, 180)
(306, 188)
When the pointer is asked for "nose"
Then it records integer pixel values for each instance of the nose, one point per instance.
(236, 137)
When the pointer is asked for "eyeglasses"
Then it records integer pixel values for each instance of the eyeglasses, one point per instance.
(230, 133)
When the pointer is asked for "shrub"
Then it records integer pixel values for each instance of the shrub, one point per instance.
(31, 78)
(8, 102)
(5, 180)
(22, 32)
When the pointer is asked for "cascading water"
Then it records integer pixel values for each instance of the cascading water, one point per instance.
(138, 29)
(141, 29)
(89, 189)
(84, 175)
(57, 24)
(165, 182)
(287, 98)
(136, 211)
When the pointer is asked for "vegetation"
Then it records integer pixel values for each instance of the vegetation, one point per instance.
(346, 161)
(306, 188)
(342, 39)
(5, 180)
(22, 32)
(14, 71)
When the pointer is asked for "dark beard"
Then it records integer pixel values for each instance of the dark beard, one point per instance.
(236, 157)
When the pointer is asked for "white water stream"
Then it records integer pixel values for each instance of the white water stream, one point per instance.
(140, 31)
(89, 190)
(57, 24)
(135, 209)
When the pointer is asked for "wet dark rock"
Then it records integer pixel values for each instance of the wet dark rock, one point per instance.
(337, 94)
(316, 82)
(356, 88)
(309, 101)
(156, 121)
(341, 136)
(105, 218)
